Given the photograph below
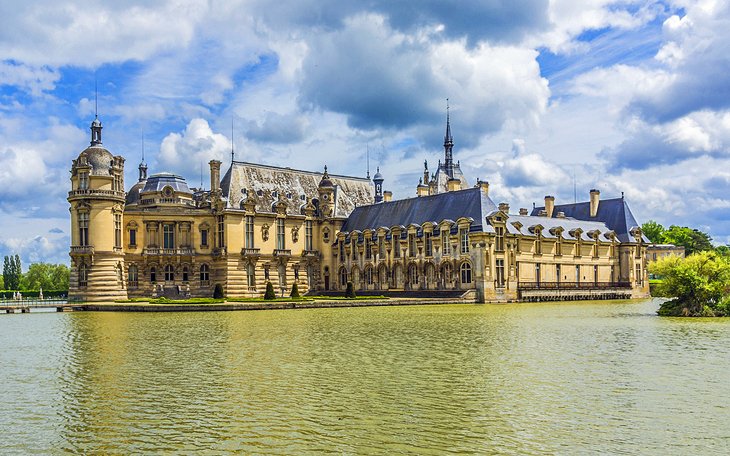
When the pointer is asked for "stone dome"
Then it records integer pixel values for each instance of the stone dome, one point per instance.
(326, 182)
(133, 193)
(98, 158)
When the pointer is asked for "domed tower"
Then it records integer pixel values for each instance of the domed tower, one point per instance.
(326, 192)
(378, 181)
(97, 207)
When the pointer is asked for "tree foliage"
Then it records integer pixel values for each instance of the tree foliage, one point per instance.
(12, 272)
(350, 291)
(295, 291)
(46, 276)
(692, 239)
(699, 284)
(653, 231)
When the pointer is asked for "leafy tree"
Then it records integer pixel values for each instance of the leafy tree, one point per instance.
(269, 294)
(294, 291)
(693, 240)
(218, 291)
(654, 231)
(45, 275)
(12, 272)
(2, 283)
(699, 284)
(350, 291)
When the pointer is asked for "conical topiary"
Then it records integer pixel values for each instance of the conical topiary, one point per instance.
(269, 291)
(350, 291)
(218, 291)
(294, 291)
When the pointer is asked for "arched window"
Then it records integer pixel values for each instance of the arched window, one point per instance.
(153, 274)
(369, 276)
(251, 276)
(185, 274)
(83, 275)
(169, 273)
(465, 271)
(204, 274)
(133, 275)
(343, 277)
(413, 275)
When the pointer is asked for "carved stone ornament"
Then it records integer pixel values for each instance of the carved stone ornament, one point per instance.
(295, 234)
(265, 231)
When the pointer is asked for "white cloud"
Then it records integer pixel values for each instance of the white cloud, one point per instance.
(197, 144)
(32, 79)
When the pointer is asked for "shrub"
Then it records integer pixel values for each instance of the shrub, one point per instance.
(269, 291)
(295, 291)
(218, 291)
(350, 291)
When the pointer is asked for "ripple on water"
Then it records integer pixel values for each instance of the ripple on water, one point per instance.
(518, 379)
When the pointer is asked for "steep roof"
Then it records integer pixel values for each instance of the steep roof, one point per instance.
(615, 213)
(268, 182)
(472, 202)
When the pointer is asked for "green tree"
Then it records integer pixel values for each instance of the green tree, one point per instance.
(692, 240)
(269, 294)
(350, 291)
(699, 284)
(294, 291)
(45, 275)
(653, 231)
(12, 272)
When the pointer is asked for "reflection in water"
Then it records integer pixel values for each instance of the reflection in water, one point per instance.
(517, 379)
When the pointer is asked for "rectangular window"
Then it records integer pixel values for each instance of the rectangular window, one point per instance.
(83, 228)
(558, 273)
(396, 245)
(308, 244)
(639, 278)
(428, 244)
(280, 234)
(204, 238)
(381, 247)
(464, 236)
(368, 251)
(499, 241)
(577, 274)
(249, 232)
(118, 231)
(83, 181)
(537, 273)
(168, 236)
(500, 272)
(445, 241)
(412, 244)
(353, 244)
(251, 276)
(342, 250)
(221, 232)
(133, 237)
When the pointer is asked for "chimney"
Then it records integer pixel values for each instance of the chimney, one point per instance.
(453, 185)
(484, 185)
(504, 207)
(387, 196)
(595, 200)
(549, 205)
(561, 214)
(215, 175)
(523, 211)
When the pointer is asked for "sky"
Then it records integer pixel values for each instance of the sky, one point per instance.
(546, 97)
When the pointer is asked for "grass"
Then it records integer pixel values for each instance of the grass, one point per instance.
(174, 301)
(342, 298)
(285, 299)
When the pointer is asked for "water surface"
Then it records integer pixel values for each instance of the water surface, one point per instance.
(565, 378)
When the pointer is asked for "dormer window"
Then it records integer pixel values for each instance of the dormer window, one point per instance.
(84, 180)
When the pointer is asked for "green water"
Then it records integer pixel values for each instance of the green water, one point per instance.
(567, 378)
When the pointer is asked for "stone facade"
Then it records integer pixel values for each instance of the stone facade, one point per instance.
(260, 224)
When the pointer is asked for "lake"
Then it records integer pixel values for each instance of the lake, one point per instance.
(552, 378)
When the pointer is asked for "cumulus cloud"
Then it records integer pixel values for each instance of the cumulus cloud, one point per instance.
(277, 128)
(29, 78)
(197, 144)
(50, 249)
(526, 169)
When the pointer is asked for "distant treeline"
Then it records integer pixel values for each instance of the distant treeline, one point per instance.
(52, 278)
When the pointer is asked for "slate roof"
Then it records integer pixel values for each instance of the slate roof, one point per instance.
(435, 208)
(567, 224)
(157, 182)
(615, 213)
(268, 182)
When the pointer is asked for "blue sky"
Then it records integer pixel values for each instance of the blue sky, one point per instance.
(627, 96)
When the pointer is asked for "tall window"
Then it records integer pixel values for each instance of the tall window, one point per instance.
(204, 274)
(204, 238)
(248, 238)
(353, 244)
(308, 244)
(221, 231)
(251, 276)
(537, 273)
(369, 276)
(412, 244)
(168, 236)
(343, 277)
(465, 271)
(428, 244)
(118, 231)
(169, 273)
(445, 241)
(558, 273)
(185, 274)
(464, 236)
(577, 273)
(83, 275)
(133, 237)
(499, 240)
(83, 181)
(153, 274)
(500, 272)
(368, 250)
(396, 245)
(381, 247)
(280, 234)
(83, 228)
(133, 276)
(342, 249)
(639, 276)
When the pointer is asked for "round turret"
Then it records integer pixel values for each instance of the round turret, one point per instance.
(326, 182)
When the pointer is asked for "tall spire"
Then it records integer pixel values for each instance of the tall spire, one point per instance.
(96, 123)
(368, 160)
(232, 153)
(448, 145)
(142, 164)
